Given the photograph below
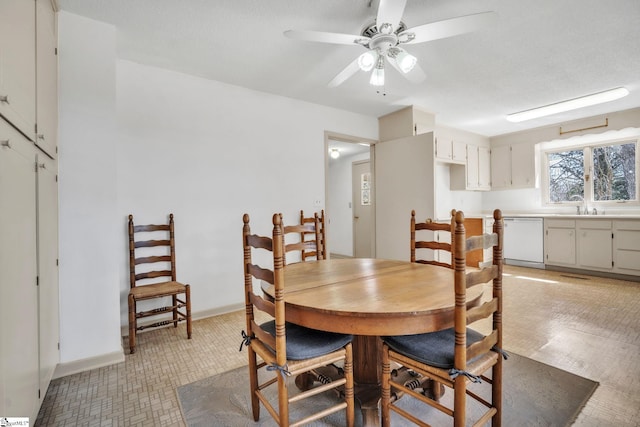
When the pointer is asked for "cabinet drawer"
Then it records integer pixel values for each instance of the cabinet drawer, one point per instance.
(627, 225)
(594, 224)
(628, 240)
(560, 223)
(628, 260)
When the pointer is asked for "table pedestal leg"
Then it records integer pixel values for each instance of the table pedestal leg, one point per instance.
(367, 371)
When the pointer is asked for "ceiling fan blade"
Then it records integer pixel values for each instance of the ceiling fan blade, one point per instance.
(416, 75)
(343, 75)
(322, 37)
(390, 12)
(449, 27)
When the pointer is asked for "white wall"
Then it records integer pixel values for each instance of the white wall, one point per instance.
(88, 220)
(204, 150)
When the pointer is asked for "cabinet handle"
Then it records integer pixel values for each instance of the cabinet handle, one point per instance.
(42, 166)
(4, 98)
(5, 143)
(41, 136)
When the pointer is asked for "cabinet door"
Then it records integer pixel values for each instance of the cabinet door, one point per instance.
(443, 148)
(17, 64)
(458, 151)
(484, 168)
(523, 166)
(46, 78)
(595, 244)
(18, 272)
(560, 244)
(472, 167)
(47, 238)
(501, 167)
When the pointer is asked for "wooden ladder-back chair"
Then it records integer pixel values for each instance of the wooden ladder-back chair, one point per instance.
(322, 242)
(456, 356)
(428, 230)
(150, 260)
(284, 348)
(296, 239)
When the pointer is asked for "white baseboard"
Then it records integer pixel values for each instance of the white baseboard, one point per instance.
(76, 366)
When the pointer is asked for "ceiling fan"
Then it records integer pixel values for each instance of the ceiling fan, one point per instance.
(383, 40)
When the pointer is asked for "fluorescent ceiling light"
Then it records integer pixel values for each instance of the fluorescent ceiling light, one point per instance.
(572, 104)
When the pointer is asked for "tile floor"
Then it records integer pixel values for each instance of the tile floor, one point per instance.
(586, 325)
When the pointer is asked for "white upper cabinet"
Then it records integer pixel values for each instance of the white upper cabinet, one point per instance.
(450, 150)
(46, 78)
(408, 121)
(484, 168)
(513, 166)
(17, 64)
(475, 173)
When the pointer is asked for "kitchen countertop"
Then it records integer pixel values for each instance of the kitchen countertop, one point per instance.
(570, 216)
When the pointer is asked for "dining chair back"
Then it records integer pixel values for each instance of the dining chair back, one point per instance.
(436, 241)
(458, 357)
(285, 349)
(319, 232)
(304, 239)
(152, 275)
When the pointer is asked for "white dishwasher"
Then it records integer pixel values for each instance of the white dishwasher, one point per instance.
(524, 241)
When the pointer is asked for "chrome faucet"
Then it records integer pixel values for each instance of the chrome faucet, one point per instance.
(585, 209)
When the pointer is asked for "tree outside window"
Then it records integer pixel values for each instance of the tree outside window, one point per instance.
(614, 172)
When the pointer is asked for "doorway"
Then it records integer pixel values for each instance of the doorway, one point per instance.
(340, 206)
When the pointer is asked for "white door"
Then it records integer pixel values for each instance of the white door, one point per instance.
(362, 209)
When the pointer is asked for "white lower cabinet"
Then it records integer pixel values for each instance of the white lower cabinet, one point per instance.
(626, 247)
(594, 244)
(560, 242)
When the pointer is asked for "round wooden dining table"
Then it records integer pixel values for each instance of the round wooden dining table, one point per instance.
(370, 298)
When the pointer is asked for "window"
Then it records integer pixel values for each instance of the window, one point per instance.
(614, 172)
(592, 174)
(566, 175)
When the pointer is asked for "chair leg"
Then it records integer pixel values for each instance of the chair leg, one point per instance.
(132, 324)
(348, 389)
(386, 387)
(496, 393)
(174, 304)
(459, 401)
(253, 383)
(283, 400)
(187, 296)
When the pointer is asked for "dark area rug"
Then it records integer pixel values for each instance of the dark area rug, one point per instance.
(534, 394)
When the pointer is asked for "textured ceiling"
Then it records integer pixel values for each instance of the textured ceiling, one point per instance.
(538, 52)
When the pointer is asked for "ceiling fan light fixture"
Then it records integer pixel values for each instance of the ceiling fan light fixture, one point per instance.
(377, 76)
(405, 61)
(571, 104)
(366, 61)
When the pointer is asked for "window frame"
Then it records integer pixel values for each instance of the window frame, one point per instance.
(587, 148)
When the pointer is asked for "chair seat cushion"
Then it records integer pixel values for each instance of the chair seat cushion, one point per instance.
(434, 349)
(305, 343)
